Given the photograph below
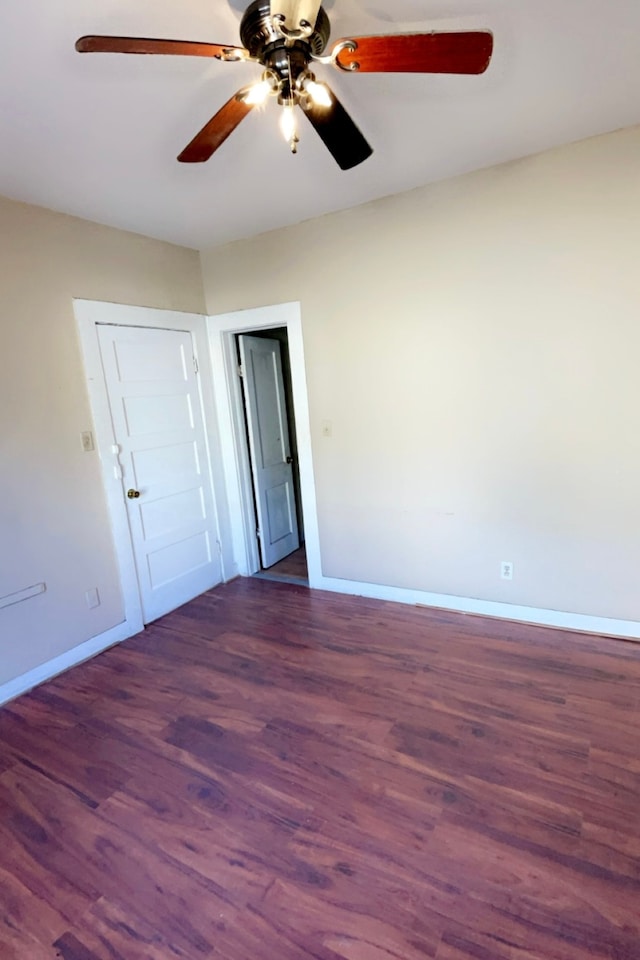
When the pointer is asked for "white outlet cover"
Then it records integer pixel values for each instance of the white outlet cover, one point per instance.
(506, 570)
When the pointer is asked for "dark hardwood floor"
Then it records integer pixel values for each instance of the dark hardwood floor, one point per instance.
(271, 772)
(293, 567)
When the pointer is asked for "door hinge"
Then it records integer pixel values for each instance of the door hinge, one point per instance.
(240, 370)
(195, 365)
(258, 532)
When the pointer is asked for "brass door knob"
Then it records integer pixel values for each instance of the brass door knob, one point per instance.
(133, 494)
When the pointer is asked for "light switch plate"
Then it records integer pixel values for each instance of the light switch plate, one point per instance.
(86, 438)
(93, 598)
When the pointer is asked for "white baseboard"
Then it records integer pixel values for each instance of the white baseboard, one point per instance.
(71, 658)
(626, 629)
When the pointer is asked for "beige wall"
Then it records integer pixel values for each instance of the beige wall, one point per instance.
(53, 521)
(476, 346)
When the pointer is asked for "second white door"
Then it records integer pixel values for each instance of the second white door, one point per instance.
(269, 444)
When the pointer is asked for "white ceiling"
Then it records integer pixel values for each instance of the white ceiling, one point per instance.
(97, 135)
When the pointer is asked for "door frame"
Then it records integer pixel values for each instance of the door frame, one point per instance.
(234, 448)
(90, 314)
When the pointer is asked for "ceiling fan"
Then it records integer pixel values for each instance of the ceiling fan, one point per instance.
(286, 37)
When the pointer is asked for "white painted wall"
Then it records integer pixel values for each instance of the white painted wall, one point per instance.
(475, 346)
(53, 520)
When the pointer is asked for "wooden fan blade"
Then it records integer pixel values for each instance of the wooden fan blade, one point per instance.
(295, 11)
(216, 131)
(178, 48)
(339, 133)
(468, 52)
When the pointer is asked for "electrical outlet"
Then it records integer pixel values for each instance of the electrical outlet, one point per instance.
(506, 570)
(93, 598)
(327, 428)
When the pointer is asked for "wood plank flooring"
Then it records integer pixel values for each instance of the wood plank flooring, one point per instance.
(293, 567)
(271, 772)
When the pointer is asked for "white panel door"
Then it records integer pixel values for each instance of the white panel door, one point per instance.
(154, 400)
(271, 462)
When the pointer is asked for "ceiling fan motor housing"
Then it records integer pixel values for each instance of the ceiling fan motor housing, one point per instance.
(259, 35)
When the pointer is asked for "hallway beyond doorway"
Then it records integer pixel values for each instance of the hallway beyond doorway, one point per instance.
(292, 569)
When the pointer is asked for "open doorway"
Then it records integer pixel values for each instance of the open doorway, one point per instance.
(269, 425)
(239, 523)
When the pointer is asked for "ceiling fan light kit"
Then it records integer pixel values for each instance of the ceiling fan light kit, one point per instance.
(286, 37)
